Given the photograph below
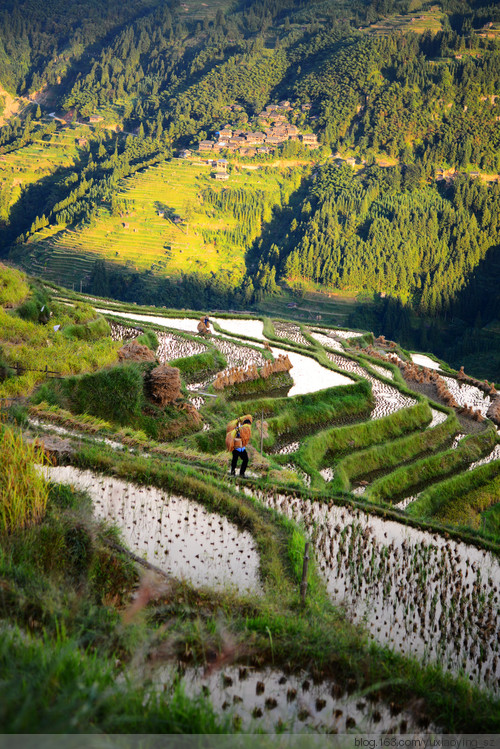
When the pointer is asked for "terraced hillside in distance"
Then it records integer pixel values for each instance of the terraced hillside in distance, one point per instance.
(166, 219)
(386, 462)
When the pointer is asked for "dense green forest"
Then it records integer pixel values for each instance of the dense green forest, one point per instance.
(168, 75)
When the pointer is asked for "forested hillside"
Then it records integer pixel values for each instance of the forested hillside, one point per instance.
(403, 91)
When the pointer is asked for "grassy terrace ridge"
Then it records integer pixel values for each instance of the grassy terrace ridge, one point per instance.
(69, 582)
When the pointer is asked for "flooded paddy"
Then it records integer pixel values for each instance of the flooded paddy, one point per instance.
(493, 455)
(327, 341)
(175, 347)
(468, 395)
(437, 418)
(347, 333)
(237, 354)
(271, 700)
(188, 324)
(388, 399)
(417, 592)
(425, 361)
(176, 534)
(290, 332)
(121, 332)
(308, 375)
(249, 328)
(382, 371)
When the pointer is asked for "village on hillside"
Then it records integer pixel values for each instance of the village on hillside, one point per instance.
(275, 129)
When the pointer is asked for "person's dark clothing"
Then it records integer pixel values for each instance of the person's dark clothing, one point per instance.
(239, 452)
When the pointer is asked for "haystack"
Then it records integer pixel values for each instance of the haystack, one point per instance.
(165, 384)
(133, 351)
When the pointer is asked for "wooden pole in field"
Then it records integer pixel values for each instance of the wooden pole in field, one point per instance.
(305, 566)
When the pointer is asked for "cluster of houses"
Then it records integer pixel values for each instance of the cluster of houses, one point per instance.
(275, 129)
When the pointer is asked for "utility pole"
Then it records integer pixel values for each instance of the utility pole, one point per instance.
(303, 584)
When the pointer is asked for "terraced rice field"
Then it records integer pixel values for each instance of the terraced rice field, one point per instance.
(271, 700)
(417, 591)
(160, 228)
(175, 534)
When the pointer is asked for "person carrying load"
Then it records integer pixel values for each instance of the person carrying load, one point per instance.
(238, 434)
(204, 325)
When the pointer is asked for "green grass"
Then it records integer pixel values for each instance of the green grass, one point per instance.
(287, 416)
(13, 286)
(460, 499)
(324, 447)
(142, 240)
(406, 479)
(392, 453)
(114, 394)
(196, 367)
(118, 395)
(29, 339)
(23, 492)
(70, 691)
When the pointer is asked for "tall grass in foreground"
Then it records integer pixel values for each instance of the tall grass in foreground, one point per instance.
(23, 492)
(53, 687)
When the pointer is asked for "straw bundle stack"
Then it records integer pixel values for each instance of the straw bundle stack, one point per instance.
(193, 412)
(133, 351)
(444, 392)
(494, 410)
(165, 384)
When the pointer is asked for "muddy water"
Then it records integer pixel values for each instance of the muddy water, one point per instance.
(417, 592)
(271, 700)
(176, 534)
